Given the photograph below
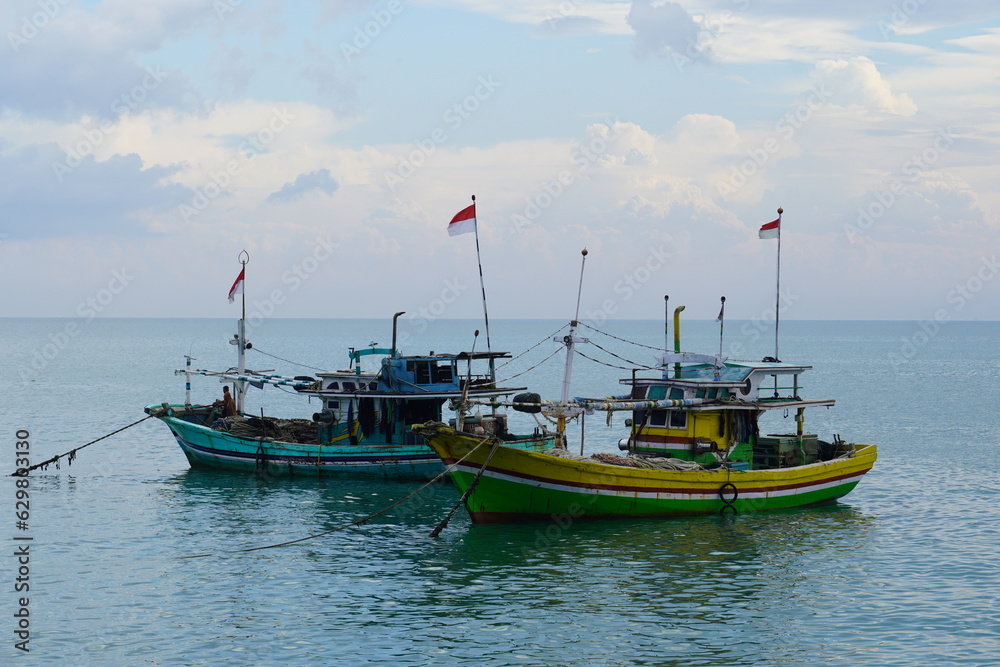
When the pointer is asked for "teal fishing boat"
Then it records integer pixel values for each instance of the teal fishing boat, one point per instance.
(364, 424)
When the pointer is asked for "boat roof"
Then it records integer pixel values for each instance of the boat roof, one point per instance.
(729, 374)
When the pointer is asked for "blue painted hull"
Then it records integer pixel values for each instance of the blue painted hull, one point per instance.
(205, 447)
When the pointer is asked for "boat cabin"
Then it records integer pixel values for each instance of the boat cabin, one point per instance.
(705, 409)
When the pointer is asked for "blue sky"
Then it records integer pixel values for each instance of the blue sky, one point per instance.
(334, 141)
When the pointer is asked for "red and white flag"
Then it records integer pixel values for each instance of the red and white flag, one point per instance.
(237, 287)
(463, 222)
(770, 230)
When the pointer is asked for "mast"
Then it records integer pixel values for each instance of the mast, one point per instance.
(666, 324)
(569, 341)
(677, 338)
(722, 323)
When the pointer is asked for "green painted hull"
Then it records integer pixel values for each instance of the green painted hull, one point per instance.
(526, 486)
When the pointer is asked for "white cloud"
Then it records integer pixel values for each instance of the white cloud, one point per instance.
(857, 81)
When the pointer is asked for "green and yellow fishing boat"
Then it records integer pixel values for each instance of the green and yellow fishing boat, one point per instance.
(694, 447)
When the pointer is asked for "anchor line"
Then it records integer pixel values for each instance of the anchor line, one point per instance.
(359, 522)
(23, 472)
(472, 485)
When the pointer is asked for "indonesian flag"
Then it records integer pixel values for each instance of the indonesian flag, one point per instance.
(770, 230)
(237, 287)
(463, 222)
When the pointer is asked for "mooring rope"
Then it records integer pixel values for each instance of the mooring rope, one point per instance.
(359, 522)
(472, 485)
(22, 472)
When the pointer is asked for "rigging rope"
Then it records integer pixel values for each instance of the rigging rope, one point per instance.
(630, 342)
(547, 338)
(622, 358)
(604, 363)
(257, 349)
(557, 351)
(23, 472)
(359, 522)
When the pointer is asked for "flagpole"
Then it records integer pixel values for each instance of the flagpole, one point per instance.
(482, 286)
(241, 387)
(777, 295)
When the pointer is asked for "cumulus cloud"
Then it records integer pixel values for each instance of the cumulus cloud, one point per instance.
(64, 61)
(857, 81)
(114, 197)
(662, 30)
(316, 181)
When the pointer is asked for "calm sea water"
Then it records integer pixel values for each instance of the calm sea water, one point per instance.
(904, 571)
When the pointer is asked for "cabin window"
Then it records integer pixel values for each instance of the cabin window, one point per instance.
(699, 393)
(421, 371)
(638, 393)
(333, 405)
(656, 393)
(372, 386)
(676, 394)
(658, 418)
(443, 374)
(713, 393)
(333, 385)
(678, 419)
(348, 386)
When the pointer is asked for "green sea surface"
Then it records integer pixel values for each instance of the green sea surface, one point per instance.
(903, 571)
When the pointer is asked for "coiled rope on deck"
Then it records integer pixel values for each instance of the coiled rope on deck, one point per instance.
(359, 522)
(22, 472)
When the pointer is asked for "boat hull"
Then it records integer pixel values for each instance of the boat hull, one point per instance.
(528, 486)
(206, 447)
